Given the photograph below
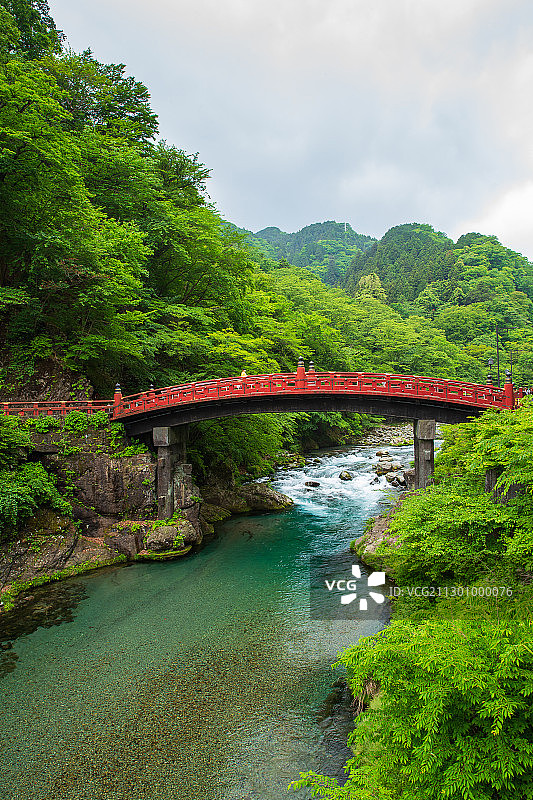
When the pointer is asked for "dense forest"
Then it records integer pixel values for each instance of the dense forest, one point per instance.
(114, 266)
(467, 289)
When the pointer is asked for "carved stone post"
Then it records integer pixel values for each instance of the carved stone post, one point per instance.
(424, 441)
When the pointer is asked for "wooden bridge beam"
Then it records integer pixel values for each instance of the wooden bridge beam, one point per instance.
(172, 471)
(424, 432)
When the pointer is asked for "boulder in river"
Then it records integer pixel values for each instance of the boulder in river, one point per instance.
(346, 476)
(251, 497)
(312, 483)
(382, 452)
(383, 468)
(168, 537)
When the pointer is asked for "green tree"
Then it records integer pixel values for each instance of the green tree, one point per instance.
(38, 34)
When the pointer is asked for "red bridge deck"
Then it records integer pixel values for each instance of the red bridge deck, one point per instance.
(411, 387)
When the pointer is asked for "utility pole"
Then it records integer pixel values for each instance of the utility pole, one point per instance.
(511, 354)
(498, 354)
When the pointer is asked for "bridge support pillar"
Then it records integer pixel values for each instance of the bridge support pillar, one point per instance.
(424, 440)
(173, 474)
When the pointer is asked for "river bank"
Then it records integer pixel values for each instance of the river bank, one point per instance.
(111, 485)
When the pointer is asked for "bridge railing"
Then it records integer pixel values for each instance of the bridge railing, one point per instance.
(54, 408)
(327, 382)
(357, 383)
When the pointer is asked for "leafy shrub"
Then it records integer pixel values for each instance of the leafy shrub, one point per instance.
(15, 441)
(76, 421)
(22, 491)
(99, 419)
(457, 530)
(133, 450)
(455, 716)
(44, 423)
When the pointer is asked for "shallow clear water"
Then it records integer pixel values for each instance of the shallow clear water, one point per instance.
(200, 679)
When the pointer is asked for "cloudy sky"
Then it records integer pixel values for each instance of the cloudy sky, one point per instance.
(373, 112)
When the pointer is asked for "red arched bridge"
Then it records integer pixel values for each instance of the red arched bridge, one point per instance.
(164, 412)
(404, 396)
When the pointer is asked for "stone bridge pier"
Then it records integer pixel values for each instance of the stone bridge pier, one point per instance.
(174, 475)
(424, 432)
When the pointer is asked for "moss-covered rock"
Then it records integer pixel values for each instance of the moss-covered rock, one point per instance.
(50, 548)
(212, 513)
(367, 546)
(166, 555)
(262, 497)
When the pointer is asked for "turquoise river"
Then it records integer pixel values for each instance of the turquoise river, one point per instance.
(200, 679)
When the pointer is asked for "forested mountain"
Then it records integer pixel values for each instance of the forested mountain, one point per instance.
(406, 259)
(325, 248)
(466, 289)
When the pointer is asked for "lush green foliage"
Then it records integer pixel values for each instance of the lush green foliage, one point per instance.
(466, 289)
(455, 717)
(456, 530)
(22, 492)
(15, 442)
(23, 486)
(249, 447)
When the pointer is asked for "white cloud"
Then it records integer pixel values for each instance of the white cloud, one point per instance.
(370, 112)
(510, 217)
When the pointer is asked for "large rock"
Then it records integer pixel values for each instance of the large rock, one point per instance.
(367, 544)
(50, 544)
(49, 381)
(383, 468)
(262, 497)
(252, 497)
(409, 477)
(105, 485)
(346, 476)
(131, 537)
(210, 513)
(169, 537)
